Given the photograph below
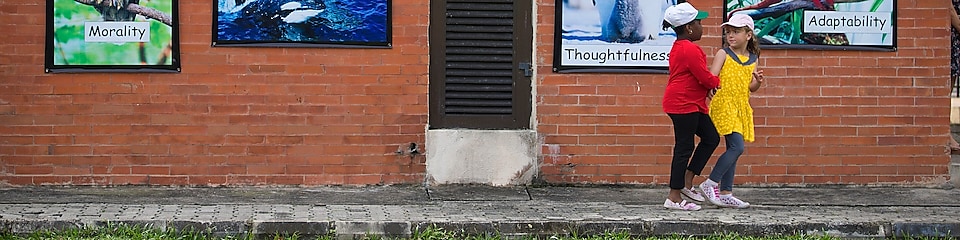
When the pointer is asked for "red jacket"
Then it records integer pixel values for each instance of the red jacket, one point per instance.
(690, 80)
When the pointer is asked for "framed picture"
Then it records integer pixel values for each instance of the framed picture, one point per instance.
(112, 36)
(302, 23)
(821, 24)
(610, 36)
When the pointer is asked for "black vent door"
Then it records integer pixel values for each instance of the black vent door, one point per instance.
(480, 64)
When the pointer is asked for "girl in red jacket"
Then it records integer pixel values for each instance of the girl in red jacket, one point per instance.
(685, 101)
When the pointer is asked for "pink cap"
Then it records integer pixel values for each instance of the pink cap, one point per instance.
(739, 20)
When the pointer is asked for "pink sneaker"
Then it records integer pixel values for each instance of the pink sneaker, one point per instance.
(733, 202)
(692, 194)
(711, 192)
(683, 205)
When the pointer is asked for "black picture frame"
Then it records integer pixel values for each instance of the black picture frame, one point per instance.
(856, 25)
(303, 23)
(94, 36)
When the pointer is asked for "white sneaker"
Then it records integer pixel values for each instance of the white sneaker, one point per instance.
(683, 205)
(692, 194)
(711, 192)
(733, 202)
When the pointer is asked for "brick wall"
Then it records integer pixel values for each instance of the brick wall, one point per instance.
(316, 116)
(822, 117)
(235, 116)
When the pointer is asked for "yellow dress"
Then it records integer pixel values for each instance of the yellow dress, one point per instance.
(730, 108)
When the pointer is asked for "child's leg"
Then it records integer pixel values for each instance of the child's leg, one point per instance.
(684, 127)
(709, 140)
(735, 146)
(726, 164)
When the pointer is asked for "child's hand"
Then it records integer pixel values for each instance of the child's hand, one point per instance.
(758, 75)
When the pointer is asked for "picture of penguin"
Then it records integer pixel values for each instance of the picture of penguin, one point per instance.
(630, 21)
(626, 21)
(613, 35)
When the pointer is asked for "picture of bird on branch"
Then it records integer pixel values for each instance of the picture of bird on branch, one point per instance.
(111, 33)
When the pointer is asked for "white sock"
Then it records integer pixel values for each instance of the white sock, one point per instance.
(710, 182)
(726, 195)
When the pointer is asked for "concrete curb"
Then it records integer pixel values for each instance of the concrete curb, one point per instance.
(541, 229)
(348, 213)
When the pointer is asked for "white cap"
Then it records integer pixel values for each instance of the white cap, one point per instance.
(680, 14)
(739, 20)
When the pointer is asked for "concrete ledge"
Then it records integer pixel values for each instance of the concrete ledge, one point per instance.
(356, 230)
(955, 110)
(394, 229)
(955, 173)
(926, 229)
(306, 230)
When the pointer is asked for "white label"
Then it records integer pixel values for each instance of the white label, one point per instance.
(116, 31)
(846, 22)
(614, 55)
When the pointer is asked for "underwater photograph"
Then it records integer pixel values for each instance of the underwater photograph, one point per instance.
(307, 22)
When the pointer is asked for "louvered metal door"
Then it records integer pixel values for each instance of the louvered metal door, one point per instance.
(480, 55)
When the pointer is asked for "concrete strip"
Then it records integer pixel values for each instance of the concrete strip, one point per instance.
(354, 230)
(842, 211)
(533, 218)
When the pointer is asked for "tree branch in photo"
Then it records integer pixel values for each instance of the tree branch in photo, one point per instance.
(141, 10)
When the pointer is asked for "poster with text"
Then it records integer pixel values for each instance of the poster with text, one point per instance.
(821, 24)
(612, 36)
(112, 36)
(302, 23)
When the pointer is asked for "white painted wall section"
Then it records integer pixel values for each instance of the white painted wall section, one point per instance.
(492, 157)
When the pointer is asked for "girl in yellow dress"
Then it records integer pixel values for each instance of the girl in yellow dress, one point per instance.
(730, 110)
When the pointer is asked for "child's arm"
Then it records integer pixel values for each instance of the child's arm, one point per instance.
(757, 79)
(718, 62)
(698, 68)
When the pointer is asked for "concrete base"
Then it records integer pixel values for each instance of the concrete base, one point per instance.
(954, 110)
(492, 157)
(955, 131)
(955, 170)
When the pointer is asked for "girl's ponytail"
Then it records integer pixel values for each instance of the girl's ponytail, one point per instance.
(753, 46)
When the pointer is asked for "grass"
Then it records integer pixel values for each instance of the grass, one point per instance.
(127, 232)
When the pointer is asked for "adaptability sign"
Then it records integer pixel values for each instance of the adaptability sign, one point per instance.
(847, 22)
(820, 23)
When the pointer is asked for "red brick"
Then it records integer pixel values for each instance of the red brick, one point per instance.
(265, 169)
(259, 106)
(204, 180)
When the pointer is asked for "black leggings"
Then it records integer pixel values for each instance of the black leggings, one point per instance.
(685, 126)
